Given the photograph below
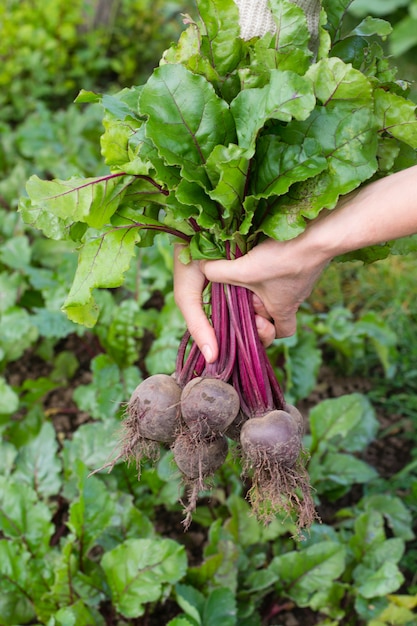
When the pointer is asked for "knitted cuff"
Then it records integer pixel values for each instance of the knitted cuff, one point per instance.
(255, 18)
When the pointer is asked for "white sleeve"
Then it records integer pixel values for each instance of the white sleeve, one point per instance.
(255, 18)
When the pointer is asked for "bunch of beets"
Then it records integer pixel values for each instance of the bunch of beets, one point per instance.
(201, 408)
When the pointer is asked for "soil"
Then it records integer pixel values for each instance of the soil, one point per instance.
(387, 455)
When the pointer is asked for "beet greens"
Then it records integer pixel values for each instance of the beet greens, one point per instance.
(228, 142)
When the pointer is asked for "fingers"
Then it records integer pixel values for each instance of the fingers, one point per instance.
(188, 289)
(266, 330)
(260, 308)
(275, 316)
(229, 272)
(285, 327)
(201, 331)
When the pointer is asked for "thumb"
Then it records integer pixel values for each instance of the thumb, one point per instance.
(229, 272)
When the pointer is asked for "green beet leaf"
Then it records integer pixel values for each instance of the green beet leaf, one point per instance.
(186, 119)
(228, 169)
(52, 226)
(191, 601)
(89, 200)
(335, 11)
(103, 397)
(92, 443)
(371, 583)
(335, 80)
(102, 263)
(373, 26)
(8, 454)
(10, 289)
(16, 253)
(139, 570)
(221, 28)
(303, 574)
(78, 614)
(396, 116)
(17, 333)
(198, 203)
(348, 421)
(38, 465)
(220, 608)
(9, 400)
(279, 165)
(292, 30)
(335, 473)
(16, 606)
(23, 517)
(396, 514)
(369, 535)
(90, 513)
(287, 96)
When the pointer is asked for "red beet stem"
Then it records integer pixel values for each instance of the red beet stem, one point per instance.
(242, 359)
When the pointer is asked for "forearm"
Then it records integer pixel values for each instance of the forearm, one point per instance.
(379, 212)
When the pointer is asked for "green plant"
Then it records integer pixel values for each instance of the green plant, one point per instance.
(97, 543)
(205, 170)
(403, 37)
(48, 48)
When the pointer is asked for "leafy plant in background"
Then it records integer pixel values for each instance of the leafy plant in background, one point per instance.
(403, 16)
(50, 49)
(105, 551)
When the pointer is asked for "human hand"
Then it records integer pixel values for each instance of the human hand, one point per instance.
(189, 282)
(277, 273)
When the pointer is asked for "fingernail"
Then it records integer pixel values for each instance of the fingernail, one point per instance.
(207, 353)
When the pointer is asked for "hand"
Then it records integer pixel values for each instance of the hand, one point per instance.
(280, 276)
(274, 272)
(189, 281)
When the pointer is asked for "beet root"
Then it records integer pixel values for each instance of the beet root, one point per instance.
(199, 458)
(154, 409)
(209, 406)
(297, 417)
(152, 418)
(276, 435)
(274, 459)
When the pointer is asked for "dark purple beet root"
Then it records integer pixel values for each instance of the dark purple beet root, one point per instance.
(154, 409)
(209, 406)
(276, 435)
(199, 458)
(297, 417)
(273, 457)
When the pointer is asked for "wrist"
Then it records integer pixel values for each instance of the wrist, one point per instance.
(313, 249)
(331, 233)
